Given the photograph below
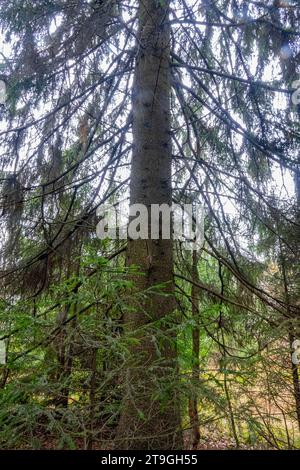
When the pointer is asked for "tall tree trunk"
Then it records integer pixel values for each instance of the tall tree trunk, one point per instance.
(150, 417)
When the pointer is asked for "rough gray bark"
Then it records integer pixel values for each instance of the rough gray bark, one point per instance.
(150, 420)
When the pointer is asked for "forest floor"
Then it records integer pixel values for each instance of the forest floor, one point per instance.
(210, 440)
(213, 438)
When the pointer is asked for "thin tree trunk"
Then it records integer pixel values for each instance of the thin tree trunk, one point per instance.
(92, 397)
(64, 356)
(296, 385)
(294, 367)
(64, 341)
(193, 400)
(150, 417)
(231, 417)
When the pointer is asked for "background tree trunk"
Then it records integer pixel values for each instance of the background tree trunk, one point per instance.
(193, 400)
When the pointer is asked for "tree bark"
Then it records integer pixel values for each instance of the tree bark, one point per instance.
(150, 416)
